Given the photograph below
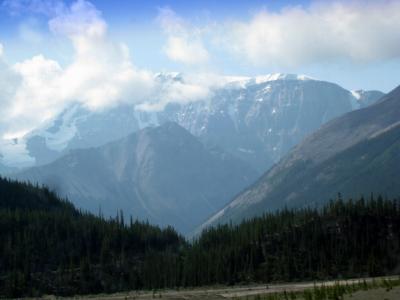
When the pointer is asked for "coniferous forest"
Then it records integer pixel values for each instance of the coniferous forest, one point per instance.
(49, 247)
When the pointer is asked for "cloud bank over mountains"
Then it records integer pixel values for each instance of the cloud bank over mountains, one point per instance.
(184, 42)
(101, 72)
(100, 75)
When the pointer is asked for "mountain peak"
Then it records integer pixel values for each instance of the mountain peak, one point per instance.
(171, 126)
(168, 128)
(163, 174)
(281, 76)
(244, 82)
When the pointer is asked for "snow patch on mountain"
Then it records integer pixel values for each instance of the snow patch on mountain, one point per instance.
(356, 94)
(62, 130)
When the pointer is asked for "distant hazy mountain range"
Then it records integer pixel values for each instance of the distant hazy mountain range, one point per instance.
(256, 119)
(162, 174)
(356, 154)
(181, 165)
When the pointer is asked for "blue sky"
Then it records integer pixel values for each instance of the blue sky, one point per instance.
(24, 33)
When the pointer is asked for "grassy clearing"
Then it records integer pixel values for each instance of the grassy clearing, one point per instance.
(367, 290)
(378, 294)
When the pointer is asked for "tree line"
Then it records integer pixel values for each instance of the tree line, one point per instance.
(49, 247)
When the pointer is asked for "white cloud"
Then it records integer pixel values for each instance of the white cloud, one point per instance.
(359, 32)
(182, 90)
(184, 43)
(100, 75)
(1, 50)
(188, 52)
(30, 98)
(35, 92)
(82, 19)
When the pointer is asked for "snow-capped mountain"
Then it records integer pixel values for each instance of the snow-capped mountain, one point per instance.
(355, 154)
(78, 128)
(255, 118)
(261, 119)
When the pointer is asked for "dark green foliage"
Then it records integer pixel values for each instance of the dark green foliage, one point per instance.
(49, 247)
(24, 196)
(344, 239)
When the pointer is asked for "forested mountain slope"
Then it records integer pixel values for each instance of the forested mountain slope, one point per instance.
(47, 246)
